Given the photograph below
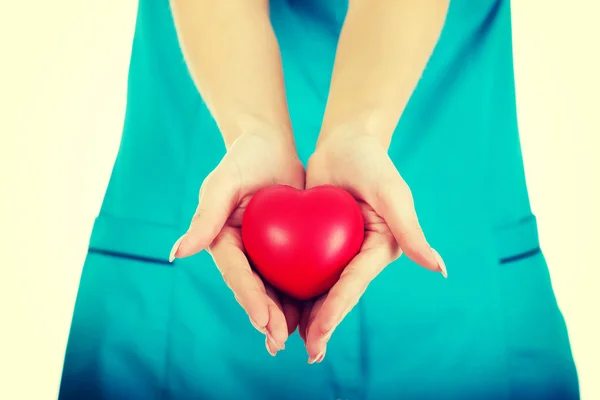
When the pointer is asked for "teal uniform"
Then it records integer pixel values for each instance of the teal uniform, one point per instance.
(147, 329)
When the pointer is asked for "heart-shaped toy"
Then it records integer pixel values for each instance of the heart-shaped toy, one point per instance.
(300, 241)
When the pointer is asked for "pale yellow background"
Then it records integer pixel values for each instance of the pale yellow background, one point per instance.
(62, 97)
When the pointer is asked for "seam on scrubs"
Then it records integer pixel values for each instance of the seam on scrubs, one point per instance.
(109, 253)
(521, 256)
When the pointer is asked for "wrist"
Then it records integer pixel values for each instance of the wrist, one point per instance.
(377, 124)
(277, 133)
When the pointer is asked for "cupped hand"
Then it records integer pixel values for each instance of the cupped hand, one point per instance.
(251, 163)
(360, 164)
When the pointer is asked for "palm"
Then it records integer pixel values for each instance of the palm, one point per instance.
(378, 242)
(360, 164)
(377, 232)
(283, 311)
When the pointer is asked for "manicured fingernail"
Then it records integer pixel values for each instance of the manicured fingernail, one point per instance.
(269, 350)
(440, 262)
(175, 248)
(322, 356)
(274, 343)
(318, 358)
(258, 328)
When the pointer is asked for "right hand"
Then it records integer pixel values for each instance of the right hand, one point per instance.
(251, 163)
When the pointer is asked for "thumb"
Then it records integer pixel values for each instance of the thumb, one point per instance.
(218, 199)
(396, 206)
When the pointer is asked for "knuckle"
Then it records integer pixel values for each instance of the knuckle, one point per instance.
(393, 187)
(354, 288)
(403, 190)
(228, 279)
(234, 277)
(230, 276)
(198, 215)
(341, 297)
(406, 193)
(206, 183)
(205, 220)
(322, 330)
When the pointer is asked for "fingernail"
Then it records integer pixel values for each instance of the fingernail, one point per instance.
(440, 262)
(258, 328)
(271, 352)
(175, 248)
(320, 356)
(274, 342)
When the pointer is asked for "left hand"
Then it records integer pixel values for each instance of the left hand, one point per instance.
(360, 164)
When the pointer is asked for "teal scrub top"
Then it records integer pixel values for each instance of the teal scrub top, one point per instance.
(146, 329)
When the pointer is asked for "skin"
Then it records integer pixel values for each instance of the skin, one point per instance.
(241, 81)
(386, 44)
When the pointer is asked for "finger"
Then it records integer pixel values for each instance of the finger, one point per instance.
(343, 296)
(314, 311)
(288, 306)
(218, 199)
(291, 310)
(395, 205)
(277, 330)
(304, 316)
(315, 353)
(238, 275)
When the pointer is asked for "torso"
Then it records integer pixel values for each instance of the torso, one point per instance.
(491, 330)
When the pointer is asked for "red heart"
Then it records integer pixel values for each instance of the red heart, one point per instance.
(300, 241)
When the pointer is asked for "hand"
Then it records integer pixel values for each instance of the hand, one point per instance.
(359, 163)
(251, 163)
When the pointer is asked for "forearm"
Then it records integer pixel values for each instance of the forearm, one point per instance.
(383, 49)
(233, 57)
